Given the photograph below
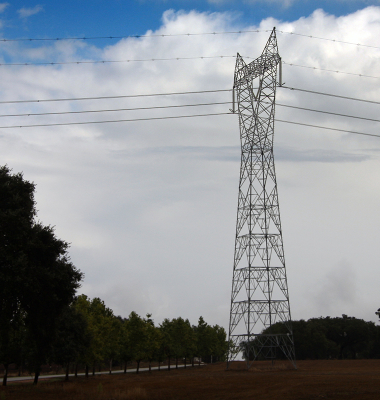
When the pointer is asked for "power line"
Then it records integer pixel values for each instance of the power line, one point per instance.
(331, 95)
(114, 97)
(331, 70)
(326, 112)
(176, 93)
(113, 110)
(159, 35)
(178, 106)
(330, 40)
(112, 121)
(189, 34)
(27, 64)
(181, 116)
(327, 128)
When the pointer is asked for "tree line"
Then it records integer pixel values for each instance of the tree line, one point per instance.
(88, 334)
(331, 338)
(43, 321)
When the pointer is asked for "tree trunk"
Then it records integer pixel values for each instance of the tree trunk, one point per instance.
(159, 366)
(125, 367)
(150, 366)
(93, 369)
(138, 366)
(110, 366)
(67, 371)
(5, 377)
(185, 362)
(176, 362)
(192, 361)
(169, 364)
(76, 370)
(199, 361)
(36, 375)
(86, 371)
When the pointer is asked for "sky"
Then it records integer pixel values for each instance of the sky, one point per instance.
(149, 206)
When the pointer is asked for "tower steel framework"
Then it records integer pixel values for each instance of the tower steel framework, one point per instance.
(259, 296)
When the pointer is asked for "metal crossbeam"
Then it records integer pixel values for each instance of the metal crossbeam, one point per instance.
(259, 297)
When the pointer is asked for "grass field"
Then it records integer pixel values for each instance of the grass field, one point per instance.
(333, 379)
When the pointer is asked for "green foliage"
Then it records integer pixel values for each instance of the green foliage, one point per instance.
(37, 279)
(211, 341)
(103, 330)
(332, 338)
(73, 337)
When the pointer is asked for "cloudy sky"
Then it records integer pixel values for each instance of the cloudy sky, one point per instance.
(149, 207)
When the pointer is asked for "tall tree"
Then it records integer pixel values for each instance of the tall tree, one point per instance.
(17, 211)
(72, 339)
(104, 330)
(37, 278)
(51, 281)
(138, 336)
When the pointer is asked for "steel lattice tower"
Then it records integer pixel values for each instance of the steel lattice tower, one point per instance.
(259, 296)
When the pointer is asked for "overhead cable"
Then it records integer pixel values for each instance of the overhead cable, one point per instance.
(326, 112)
(330, 95)
(112, 121)
(176, 93)
(178, 106)
(189, 34)
(327, 128)
(181, 116)
(114, 97)
(330, 40)
(152, 35)
(25, 64)
(331, 70)
(110, 61)
(113, 110)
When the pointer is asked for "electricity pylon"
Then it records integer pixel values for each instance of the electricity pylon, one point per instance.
(259, 296)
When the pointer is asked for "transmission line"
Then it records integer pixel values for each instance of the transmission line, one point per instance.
(327, 128)
(327, 39)
(177, 117)
(326, 112)
(330, 95)
(110, 61)
(189, 34)
(176, 93)
(114, 97)
(179, 106)
(112, 121)
(113, 110)
(26, 64)
(130, 36)
(331, 70)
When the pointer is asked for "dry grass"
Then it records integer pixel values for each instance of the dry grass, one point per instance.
(335, 380)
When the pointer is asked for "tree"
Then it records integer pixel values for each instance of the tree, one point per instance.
(203, 339)
(138, 338)
(37, 279)
(167, 344)
(72, 338)
(183, 339)
(104, 330)
(17, 211)
(154, 340)
(50, 284)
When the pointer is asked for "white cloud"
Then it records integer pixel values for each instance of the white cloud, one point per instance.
(150, 207)
(26, 12)
(3, 6)
(281, 3)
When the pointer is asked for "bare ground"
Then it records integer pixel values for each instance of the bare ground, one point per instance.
(321, 379)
